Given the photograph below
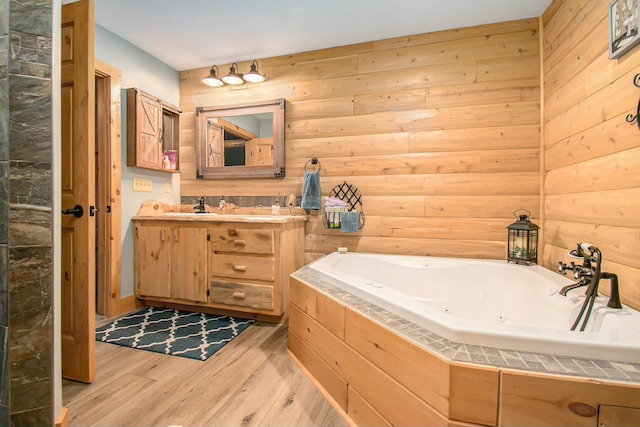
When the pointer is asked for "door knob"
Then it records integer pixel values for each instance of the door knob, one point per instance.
(76, 211)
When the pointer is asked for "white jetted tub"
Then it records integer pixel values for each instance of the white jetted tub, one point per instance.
(487, 302)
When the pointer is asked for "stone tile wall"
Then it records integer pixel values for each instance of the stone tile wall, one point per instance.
(25, 213)
(4, 238)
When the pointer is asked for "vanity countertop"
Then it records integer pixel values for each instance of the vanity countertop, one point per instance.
(158, 211)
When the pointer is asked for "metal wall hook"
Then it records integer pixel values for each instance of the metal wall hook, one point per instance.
(630, 117)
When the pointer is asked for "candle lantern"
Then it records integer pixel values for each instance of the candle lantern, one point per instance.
(522, 246)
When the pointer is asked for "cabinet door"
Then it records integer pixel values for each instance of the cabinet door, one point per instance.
(149, 130)
(259, 152)
(153, 261)
(189, 272)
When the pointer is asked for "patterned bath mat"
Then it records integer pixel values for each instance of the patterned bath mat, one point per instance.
(175, 332)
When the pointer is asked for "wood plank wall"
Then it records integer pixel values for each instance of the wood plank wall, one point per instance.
(440, 132)
(592, 155)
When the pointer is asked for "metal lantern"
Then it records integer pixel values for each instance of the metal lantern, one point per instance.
(522, 245)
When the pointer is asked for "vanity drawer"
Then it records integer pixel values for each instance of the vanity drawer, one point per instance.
(243, 267)
(243, 295)
(241, 240)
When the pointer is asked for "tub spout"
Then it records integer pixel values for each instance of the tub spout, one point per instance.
(571, 287)
(614, 294)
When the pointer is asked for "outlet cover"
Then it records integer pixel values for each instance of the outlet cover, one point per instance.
(144, 185)
(167, 186)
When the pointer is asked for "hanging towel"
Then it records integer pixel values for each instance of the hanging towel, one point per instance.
(311, 194)
(349, 222)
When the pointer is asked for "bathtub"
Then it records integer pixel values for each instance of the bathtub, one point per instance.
(487, 303)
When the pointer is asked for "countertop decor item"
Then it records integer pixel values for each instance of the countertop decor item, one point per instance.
(174, 332)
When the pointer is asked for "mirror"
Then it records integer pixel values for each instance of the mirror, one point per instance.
(241, 141)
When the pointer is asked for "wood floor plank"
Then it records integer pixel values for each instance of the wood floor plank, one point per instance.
(210, 390)
(91, 409)
(300, 403)
(109, 362)
(248, 382)
(246, 407)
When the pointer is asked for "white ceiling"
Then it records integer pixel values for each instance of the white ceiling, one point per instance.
(190, 34)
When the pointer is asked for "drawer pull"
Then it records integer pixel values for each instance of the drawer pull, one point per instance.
(239, 242)
(239, 295)
(239, 268)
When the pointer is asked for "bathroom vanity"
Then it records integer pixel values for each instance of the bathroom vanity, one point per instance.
(236, 261)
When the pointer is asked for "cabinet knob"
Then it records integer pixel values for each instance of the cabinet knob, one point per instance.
(239, 242)
(239, 268)
(239, 295)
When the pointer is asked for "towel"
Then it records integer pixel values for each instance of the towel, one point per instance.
(349, 222)
(311, 194)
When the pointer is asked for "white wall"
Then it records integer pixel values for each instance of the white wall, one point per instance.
(141, 70)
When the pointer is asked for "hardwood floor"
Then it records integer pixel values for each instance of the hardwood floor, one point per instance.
(249, 382)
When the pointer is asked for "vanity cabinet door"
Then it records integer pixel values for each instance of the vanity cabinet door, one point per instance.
(152, 261)
(189, 269)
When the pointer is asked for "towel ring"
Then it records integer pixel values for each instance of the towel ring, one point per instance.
(313, 161)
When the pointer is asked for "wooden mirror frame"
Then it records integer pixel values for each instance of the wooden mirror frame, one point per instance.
(275, 170)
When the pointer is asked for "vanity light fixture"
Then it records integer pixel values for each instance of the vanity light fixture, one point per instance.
(212, 79)
(233, 78)
(253, 76)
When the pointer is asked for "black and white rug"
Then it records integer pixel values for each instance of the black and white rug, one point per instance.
(175, 332)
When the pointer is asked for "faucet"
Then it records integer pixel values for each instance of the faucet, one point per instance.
(200, 208)
(590, 275)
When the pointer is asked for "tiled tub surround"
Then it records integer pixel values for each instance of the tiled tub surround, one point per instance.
(487, 302)
(355, 349)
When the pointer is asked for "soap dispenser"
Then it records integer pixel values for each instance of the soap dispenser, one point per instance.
(275, 208)
(222, 203)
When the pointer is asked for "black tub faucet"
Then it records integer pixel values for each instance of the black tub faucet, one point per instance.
(588, 274)
(200, 208)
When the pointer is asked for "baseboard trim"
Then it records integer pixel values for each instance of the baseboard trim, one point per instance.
(128, 304)
(63, 418)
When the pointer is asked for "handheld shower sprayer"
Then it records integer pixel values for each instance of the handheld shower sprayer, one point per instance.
(581, 248)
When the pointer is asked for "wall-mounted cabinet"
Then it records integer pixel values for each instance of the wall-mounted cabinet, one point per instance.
(153, 132)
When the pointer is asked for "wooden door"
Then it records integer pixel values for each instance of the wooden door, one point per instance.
(214, 157)
(78, 189)
(189, 269)
(152, 252)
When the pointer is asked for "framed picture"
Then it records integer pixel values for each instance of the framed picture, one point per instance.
(623, 27)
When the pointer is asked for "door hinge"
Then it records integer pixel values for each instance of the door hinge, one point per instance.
(208, 292)
(108, 208)
(209, 237)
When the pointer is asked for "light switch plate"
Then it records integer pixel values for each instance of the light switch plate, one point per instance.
(167, 186)
(144, 185)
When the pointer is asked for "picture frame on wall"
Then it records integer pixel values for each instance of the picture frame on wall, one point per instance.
(624, 22)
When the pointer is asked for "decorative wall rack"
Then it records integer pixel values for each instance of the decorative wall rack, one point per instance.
(351, 196)
(630, 117)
